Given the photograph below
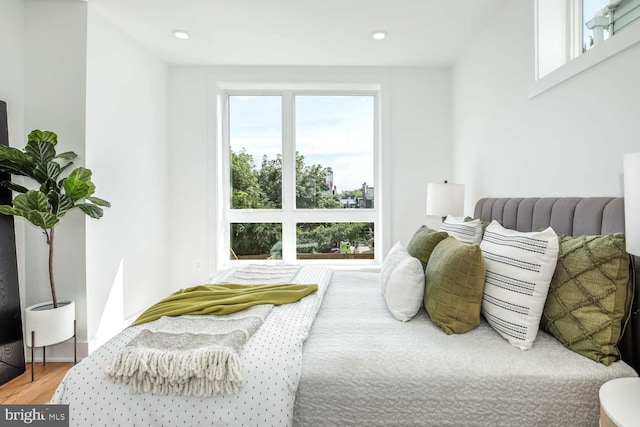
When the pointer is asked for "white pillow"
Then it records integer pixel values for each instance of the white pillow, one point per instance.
(467, 232)
(402, 283)
(519, 269)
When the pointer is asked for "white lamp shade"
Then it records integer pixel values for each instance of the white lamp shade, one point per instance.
(445, 199)
(632, 202)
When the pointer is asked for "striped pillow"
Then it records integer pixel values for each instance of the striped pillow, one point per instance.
(519, 269)
(467, 232)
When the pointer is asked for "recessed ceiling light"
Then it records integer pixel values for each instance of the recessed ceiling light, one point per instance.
(379, 35)
(181, 34)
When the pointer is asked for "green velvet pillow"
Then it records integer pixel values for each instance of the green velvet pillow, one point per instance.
(455, 281)
(590, 296)
(423, 242)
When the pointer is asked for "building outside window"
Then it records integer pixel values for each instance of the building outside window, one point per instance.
(595, 23)
(598, 20)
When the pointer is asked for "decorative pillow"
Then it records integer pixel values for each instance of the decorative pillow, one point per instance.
(402, 283)
(519, 270)
(590, 296)
(423, 242)
(465, 231)
(455, 279)
(483, 223)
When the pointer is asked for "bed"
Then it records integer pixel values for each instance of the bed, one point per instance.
(354, 364)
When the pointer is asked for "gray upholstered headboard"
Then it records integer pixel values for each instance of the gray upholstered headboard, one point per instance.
(574, 216)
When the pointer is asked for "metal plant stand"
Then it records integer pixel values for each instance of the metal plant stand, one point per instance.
(44, 350)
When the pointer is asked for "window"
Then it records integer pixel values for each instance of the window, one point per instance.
(566, 30)
(299, 176)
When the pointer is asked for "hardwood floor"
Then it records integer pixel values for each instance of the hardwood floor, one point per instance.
(21, 390)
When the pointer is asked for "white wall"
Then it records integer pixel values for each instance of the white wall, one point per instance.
(567, 141)
(420, 145)
(416, 142)
(12, 92)
(54, 99)
(106, 98)
(128, 249)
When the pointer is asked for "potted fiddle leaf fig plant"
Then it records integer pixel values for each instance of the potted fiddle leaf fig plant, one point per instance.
(44, 207)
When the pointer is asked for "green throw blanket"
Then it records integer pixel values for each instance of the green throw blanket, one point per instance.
(198, 355)
(223, 298)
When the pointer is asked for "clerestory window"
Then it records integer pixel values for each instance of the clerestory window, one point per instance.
(565, 30)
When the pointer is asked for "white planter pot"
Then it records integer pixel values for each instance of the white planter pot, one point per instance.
(51, 325)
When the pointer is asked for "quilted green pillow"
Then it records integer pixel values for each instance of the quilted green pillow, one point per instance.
(455, 280)
(423, 242)
(590, 296)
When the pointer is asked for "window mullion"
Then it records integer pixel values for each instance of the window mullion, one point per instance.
(224, 196)
(288, 178)
(575, 29)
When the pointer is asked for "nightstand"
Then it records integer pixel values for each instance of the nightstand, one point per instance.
(620, 403)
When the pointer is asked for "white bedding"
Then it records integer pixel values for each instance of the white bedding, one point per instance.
(363, 367)
(271, 361)
(360, 366)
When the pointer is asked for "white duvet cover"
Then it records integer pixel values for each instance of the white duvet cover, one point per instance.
(271, 361)
(362, 367)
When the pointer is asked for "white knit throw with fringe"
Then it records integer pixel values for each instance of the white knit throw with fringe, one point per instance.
(188, 355)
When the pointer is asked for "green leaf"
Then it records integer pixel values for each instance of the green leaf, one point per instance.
(81, 174)
(42, 136)
(10, 210)
(53, 170)
(92, 210)
(76, 189)
(15, 187)
(60, 203)
(39, 172)
(48, 186)
(43, 220)
(16, 169)
(32, 200)
(42, 152)
(15, 162)
(67, 155)
(92, 188)
(13, 155)
(98, 201)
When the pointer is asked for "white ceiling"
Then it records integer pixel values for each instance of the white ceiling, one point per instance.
(303, 32)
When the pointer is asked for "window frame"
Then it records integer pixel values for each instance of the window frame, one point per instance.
(288, 215)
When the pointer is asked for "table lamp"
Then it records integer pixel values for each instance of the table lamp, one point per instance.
(632, 202)
(445, 199)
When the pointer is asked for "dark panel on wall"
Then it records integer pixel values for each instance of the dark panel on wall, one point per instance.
(11, 345)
